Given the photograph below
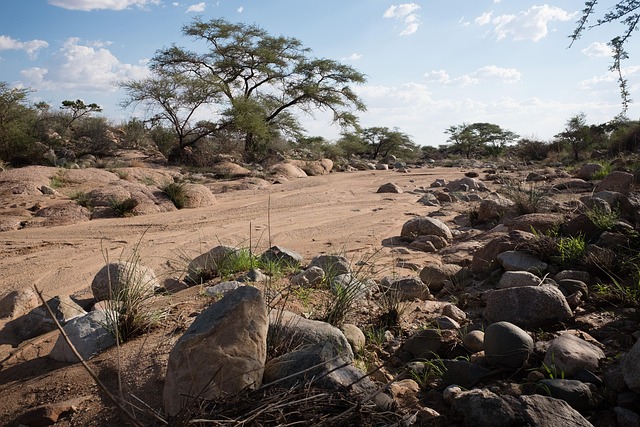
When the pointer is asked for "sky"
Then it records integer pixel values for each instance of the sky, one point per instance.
(430, 64)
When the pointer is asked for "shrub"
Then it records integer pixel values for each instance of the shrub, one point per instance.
(82, 199)
(602, 218)
(526, 200)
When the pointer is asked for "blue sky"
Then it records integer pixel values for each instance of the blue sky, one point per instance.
(429, 64)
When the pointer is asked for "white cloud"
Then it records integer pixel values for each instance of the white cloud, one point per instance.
(240, 9)
(197, 8)
(101, 4)
(353, 57)
(597, 50)
(531, 24)
(483, 19)
(31, 47)
(406, 13)
(484, 74)
(463, 22)
(81, 66)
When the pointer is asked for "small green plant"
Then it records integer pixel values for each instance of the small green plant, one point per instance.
(571, 249)
(552, 370)
(393, 307)
(57, 181)
(604, 171)
(176, 191)
(122, 174)
(526, 199)
(123, 207)
(604, 219)
(81, 198)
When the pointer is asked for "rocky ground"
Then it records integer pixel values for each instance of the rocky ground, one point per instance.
(496, 325)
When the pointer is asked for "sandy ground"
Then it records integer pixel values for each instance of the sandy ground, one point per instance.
(340, 213)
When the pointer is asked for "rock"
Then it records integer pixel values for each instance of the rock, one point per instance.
(18, 303)
(50, 413)
(617, 181)
(312, 276)
(580, 275)
(352, 286)
(462, 372)
(406, 288)
(474, 341)
(587, 171)
(570, 354)
(424, 226)
(576, 393)
(222, 288)
(354, 336)
(626, 417)
(527, 306)
(429, 199)
(283, 255)
(205, 266)
(454, 312)
(543, 411)
(389, 187)
(89, 334)
(434, 275)
(132, 278)
(631, 368)
(228, 169)
(428, 344)
(222, 352)
(521, 261)
(485, 258)
(332, 265)
(382, 167)
(494, 207)
(197, 196)
(540, 222)
(482, 408)
(466, 184)
(59, 215)
(573, 185)
(296, 330)
(435, 242)
(507, 345)
(581, 226)
(571, 286)
(38, 321)
(511, 279)
(287, 171)
(314, 167)
(445, 322)
(321, 365)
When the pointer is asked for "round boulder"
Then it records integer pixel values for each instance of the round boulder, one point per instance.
(425, 226)
(122, 276)
(507, 345)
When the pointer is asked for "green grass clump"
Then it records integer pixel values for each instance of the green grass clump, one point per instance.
(123, 207)
(571, 249)
(176, 191)
(604, 219)
(82, 199)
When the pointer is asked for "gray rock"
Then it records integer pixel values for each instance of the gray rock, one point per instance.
(406, 288)
(466, 184)
(89, 334)
(312, 276)
(38, 321)
(571, 286)
(462, 372)
(120, 278)
(587, 171)
(617, 181)
(444, 322)
(454, 312)
(389, 187)
(507, 345)
(354, 336)
(631, 368)
(283, 255)
(482, 408)
(527, 306)
(485, 258)
(473, 341)
(575, 275)
(223, 351)
(512, 279)
(18, 303)
(205, 267)
(626, 417)
(429, 199)
(222, 288)
(354, 288)
(427, 344)
(521, 261)
(543, 411)
(296, 331)
(576, 393)
(570, 354)
(434, 275)
(424, 226)
(494, 207)
(332, 265)
(319, 364)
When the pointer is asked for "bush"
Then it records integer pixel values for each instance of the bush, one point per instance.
(123, 208)
(176, 193)
(532, 150)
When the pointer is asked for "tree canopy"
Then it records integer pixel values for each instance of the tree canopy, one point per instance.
(251, 82)
(479, 139)
(626, 12)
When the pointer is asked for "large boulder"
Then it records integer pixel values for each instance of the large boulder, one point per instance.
(205, 266)
(406, 288)
(527, 306)
(631, 368)
(89, 334)
(38, 321)
(434, 275)
(197, 196)
(287, 171)
(482, 408)
(485, 258)
(587, 171)
(570, 354)
(507, 345)
(425, 226)
(124, 277)
(617, 181)
(494, 207)
(222, 352)
(547, 411)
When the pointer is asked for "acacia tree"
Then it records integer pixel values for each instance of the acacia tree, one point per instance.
(579, 136)
(479, 138)
(16, 122)
(382, 141)
(79, 109)
(260, 80)
(626, 12)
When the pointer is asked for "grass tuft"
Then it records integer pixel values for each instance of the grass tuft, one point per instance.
(176, 191)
